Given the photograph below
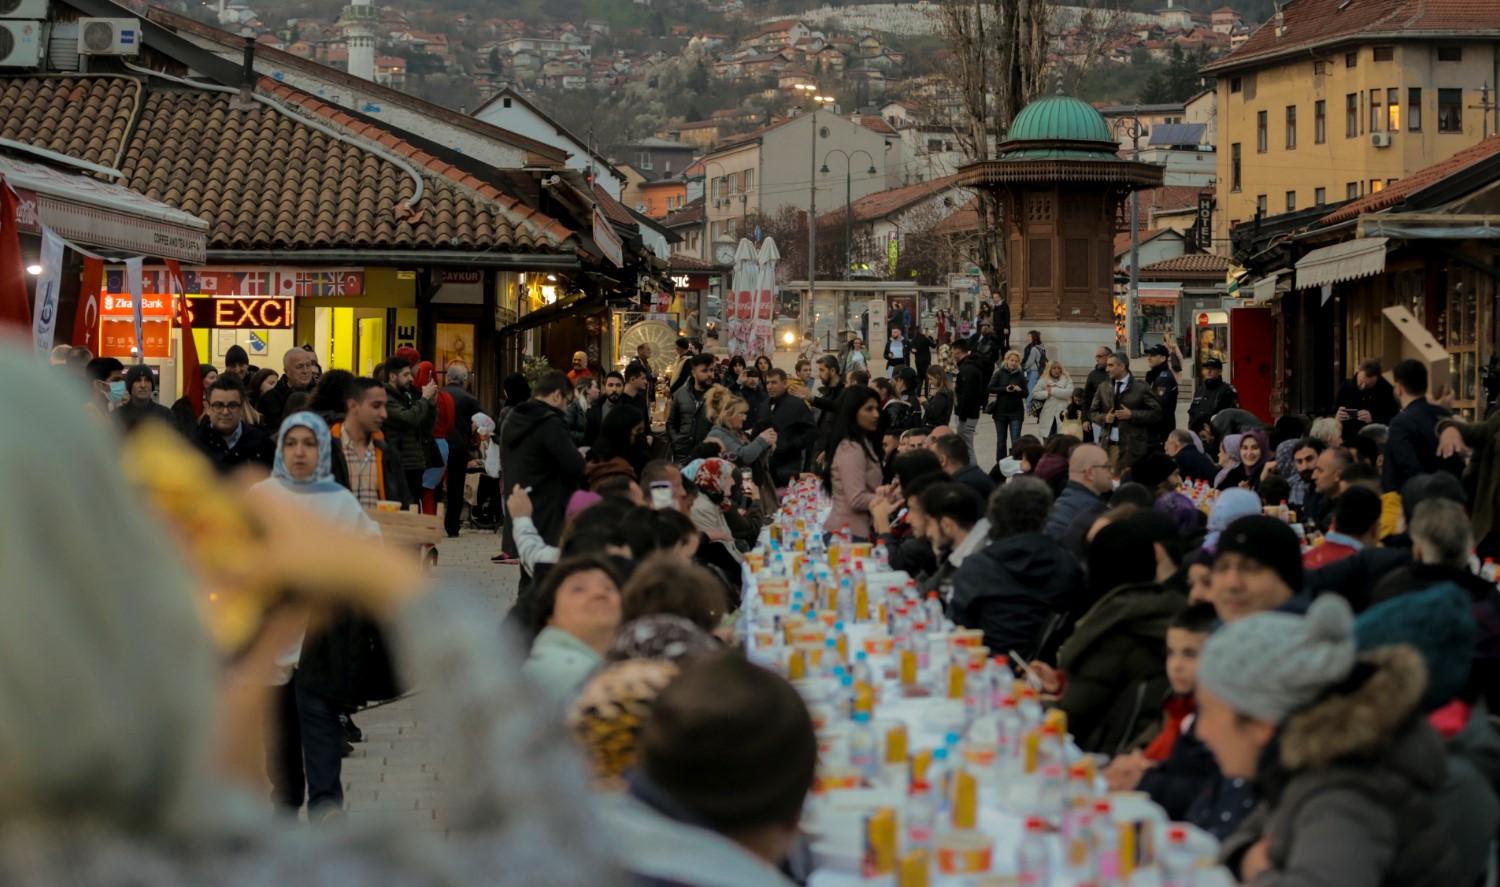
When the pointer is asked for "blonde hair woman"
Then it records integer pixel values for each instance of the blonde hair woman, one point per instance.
(738, 446)
(1052, 392)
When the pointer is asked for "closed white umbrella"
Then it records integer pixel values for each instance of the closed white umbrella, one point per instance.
(765, 297)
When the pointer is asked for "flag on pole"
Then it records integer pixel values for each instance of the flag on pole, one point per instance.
(86, 318)
(13, 299)
(44, 322)
(192, 377)
(133, 283)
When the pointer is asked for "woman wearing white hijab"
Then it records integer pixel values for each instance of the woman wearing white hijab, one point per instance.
(113, 735)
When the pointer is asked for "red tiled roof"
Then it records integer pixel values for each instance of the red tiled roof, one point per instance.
(1417, 181)
(1309, 23)
(878, 124)
(260, 178)
(884, 203)
(613, 209)
(1191, 263)
(966, 219)
(692, 214)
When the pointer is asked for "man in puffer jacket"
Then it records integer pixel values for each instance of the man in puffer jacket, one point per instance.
(409, 415)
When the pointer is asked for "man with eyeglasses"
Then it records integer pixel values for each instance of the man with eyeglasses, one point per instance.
(226, 438)
(1089, 480)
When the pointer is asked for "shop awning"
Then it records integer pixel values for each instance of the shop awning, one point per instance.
(101, 215)
(575, 304)
(1352, 259)
(1160, 295)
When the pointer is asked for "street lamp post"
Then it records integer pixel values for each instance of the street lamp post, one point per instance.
(1133, 127)
(809, 92)
(848, 198)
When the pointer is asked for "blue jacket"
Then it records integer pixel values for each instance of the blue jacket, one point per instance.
(1075, 499)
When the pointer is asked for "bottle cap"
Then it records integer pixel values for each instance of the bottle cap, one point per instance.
(846, 679)
(861, 656)
(951, 738)
(940, 754)
(861, 717)
(1177, 835)
(1102, 805)
(1035, 824)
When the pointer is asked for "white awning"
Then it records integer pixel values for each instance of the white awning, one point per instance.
(1361, 257)
(103, 215)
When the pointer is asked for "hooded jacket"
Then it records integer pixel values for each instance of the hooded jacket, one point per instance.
(1115, 662)
(408, 426)
(1013, 587)
(536, 451)
(1349, 784)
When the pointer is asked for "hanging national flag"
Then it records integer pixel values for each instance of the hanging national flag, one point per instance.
(14, 309)
(47, 285)
(133, 283)
(86, 319)
(192, 377)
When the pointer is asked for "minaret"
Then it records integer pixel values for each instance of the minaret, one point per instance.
(358, 22)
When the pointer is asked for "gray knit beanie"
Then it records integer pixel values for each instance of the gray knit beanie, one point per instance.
(1268, 665)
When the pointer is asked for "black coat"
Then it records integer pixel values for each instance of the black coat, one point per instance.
(921, 351)
(976, 480)
(536, 451)
(1194, 464)
(969, 393)
(1209, 399)
(1000, 320)
(272, 405)
(1012, 588)
(464, 408)
(255, 447)
(1411, 445)
(1096, 377)
(1007, 402)
(1379, 399)
(796, 433)
(1164, 385)
(939, 409)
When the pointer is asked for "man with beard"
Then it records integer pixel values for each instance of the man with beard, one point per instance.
(754, 394)
(827, 400)
(1099, 375)
(614, 392)
(1161, 380)
(1367, 399)
(1305, 460)
(237, 364)
(140, 404)
(796, 430)
(688, 424)
(298, 371)
(409, 416)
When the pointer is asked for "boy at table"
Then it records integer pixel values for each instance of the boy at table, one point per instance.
(1176, 769)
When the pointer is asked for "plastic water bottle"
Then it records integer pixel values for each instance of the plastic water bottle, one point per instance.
(1179, 868)
(934, 611)
(1106, 843)
(976, 693)
(846, 599)
(921, 816)
(846, 697)
(862, 672)
(882, 556)
(939, 777)
(1033, 864)
(864, 747)
(830, 657)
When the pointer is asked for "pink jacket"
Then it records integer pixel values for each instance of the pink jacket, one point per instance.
(855, 476)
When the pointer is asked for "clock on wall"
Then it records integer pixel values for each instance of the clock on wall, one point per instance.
(724, 254)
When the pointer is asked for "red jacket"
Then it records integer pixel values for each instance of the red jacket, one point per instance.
(1325, 554)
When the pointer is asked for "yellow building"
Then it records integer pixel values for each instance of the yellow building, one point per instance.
(1331, 100)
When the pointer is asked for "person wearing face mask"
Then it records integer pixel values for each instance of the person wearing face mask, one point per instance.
(140, 404)
(575, 618)
(107, 379)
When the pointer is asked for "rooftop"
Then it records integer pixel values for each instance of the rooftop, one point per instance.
(1418, 181)
(1191, 263)
(884, 203)
(1307, 24)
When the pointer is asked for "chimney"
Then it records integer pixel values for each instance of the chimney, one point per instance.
(1280, 20)
(246, 99)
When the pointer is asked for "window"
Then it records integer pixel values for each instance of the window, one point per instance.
(1235, 85)
(1234, 167)
(1450, 53)
(1450, 110)
(1375, 112)
(1414, 109)
(1261, 137)
(1376, 186)
(1393, 110)
(1291, 127)
(1260, 204)
(1320, 196)
(1291, 201)
(1384, 53)
(1320, 68)
(1351, 115)
(1351, 190)
(1351, 59)
(1320, 121)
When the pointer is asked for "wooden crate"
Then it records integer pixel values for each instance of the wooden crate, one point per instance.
(408, 527)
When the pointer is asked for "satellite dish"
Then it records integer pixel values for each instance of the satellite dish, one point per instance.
(659, 336)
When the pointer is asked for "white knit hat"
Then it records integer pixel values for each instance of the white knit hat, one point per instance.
(1268, 665)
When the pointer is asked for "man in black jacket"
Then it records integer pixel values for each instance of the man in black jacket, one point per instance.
(459, 449)
(1162, 382)
(958, 463)
(796, 430)
(921, 354)
(970, 390)
(831, 379)
(1365, 400)
(226, 438)
(537, 452)
(1096, 377)
(1212, 395)
(1412, 442)
(687, 423)
(987, 347)
(297, 373)
(1192, 463)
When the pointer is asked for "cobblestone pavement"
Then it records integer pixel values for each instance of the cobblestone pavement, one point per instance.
(396, 772)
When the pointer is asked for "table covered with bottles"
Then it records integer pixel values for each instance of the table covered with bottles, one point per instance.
(937, 765)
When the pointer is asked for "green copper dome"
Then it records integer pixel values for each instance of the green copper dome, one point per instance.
(1059, 118)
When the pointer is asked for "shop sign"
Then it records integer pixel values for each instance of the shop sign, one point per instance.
(690, 281)
(283, 283)
(117, 337)
(406, 328)
(265, 313)
(154, 306)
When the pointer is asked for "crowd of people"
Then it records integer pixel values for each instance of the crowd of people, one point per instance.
(1287, 634)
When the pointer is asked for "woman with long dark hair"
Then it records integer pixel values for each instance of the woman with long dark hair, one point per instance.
(851, 459)
(939, 409)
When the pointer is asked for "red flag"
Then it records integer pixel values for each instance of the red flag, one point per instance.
(86, 318)
(14, 300)
(192, 377)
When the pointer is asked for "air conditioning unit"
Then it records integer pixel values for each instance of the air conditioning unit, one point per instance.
(33, 9)
(108, 36)
(20, 44)
(1380, 140)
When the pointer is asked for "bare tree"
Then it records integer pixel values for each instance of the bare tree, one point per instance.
(998, 48)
